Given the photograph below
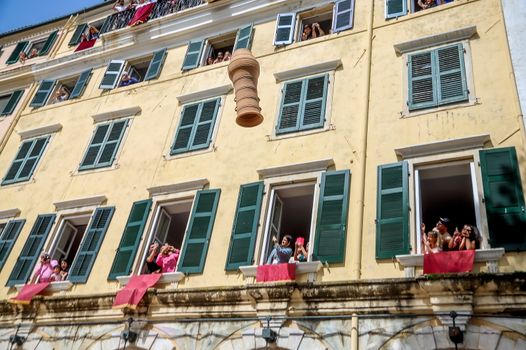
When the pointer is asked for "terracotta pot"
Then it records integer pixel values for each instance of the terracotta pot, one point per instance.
(243, 70)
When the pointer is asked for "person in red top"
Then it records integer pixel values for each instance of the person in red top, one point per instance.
(167, 258)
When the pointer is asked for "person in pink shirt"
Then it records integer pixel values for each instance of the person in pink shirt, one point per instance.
(167, 258)
(43, 270)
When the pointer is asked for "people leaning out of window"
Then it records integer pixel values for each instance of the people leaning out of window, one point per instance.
(120, 6)
(61, 95)
(92, 34)
(311, 31)
(425, 4)
(301, 251)
(281, 253)
(128, 80)
(467, 239)
(219, 58)
(167, 258)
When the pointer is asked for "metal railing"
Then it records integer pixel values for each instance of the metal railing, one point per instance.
(117, 20)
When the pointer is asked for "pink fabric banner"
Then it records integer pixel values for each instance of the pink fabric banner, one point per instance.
(133, 292)
(141, 14)
(276, 272)
(85, 45)
(28, 292)
(449, 262)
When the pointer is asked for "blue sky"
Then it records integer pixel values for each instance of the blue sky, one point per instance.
(20, 13)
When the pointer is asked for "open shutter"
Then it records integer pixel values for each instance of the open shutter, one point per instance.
(90, 245)
(331, 224)
(204, 126)
(26, 160)
(49, 43)
(112, 75)
(81, 83)
(154, 69)
(392, 211)
(244, 231)
(31, 250)
(43, 92)
(186, 126)
(193, 254)
(290, 107)
(8, 238)
(122, 264)
(504, 198)
(314, 100)
(422, 91)
(193, 55)
(395, 8)
(75, 39)
(285, 24)
(12, 103)
(343, 14)
(451, 74)
(13, 58)
(244, 38)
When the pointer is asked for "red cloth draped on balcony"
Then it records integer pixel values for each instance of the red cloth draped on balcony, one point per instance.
(142, 13)
(132, 293)
(28, 292)
(85, 45)
(449, 262)
(276, 272)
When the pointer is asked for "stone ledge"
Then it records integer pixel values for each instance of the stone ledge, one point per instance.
(309, 267)
(52, 288)
(168, 277)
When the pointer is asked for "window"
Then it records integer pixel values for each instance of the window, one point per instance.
(184, 222)
(303, 105)
(55, 91)
(196, 126)
(437, 77)
(82, 28)
(314, 23)
(8, 234)
(26, 160)
(8, 102)
(39, 47)
(314, 209)
(104, 145)
(397, 8)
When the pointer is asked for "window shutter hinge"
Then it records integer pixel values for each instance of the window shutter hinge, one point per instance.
(478, 163)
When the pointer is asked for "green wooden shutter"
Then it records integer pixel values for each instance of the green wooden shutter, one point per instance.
(504, 198)
(154, 69)
(184, 131)
(451, 75)
(31, 250)
(77, 34)
(314, 99)
(285, 24)
(104, 145)
(122, 264)
(112, 75)
(193, 55)
(244, 38)
(290, 107)
(8, 238)
(13, 102)
(43, 92)
(331, 226)
(49, 43)
(395, 8)
(421, 81)
(26, 160)
(244, 231)
(193, 254)
(343, 14)
(204, 124)
(90, 245)
(392, 211)
(13, 58)
(81, 83)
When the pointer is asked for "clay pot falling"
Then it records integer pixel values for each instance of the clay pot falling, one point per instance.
(243, 70)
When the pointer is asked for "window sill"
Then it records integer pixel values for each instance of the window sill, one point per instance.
(53, 287)
(309, 267)
(489, 256)
(172, 278)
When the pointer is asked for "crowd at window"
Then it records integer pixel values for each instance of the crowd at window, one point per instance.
(439, 239)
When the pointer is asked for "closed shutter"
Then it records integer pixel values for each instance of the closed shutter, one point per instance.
(26, 160)
(395, 8)
(331, 224)
(290, 107)
(343, 14)
(193, 55)
(197, 239)
(31, 250)
(244, 231)
(504, 198)
(43, 92)
(451, 80)
(49, 43)
(422, 90)
(154, 69)
(77, 34)
(8, 238)
(12, 103)
(122, 264)
(13, 58)
(112, 75)
(244, 38)
(104, 145)
(392, 211)
(90, 245)
(81, 83)
(285, 24)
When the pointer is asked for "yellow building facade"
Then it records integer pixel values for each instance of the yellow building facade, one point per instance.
(391, 117)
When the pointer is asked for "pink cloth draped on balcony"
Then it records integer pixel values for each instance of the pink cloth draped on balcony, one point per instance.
(449, 262)
(85, 45)
(276, 272)
(132, 293)
(141, 14)
(28, 292)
